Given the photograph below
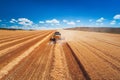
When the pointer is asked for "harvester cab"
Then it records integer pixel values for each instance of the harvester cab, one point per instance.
(56, 36)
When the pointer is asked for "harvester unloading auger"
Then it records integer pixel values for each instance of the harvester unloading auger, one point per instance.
(56, 36)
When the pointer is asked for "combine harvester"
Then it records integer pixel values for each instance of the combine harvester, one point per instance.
(56, 36)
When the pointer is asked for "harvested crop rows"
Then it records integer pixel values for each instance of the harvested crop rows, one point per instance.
(29, 55)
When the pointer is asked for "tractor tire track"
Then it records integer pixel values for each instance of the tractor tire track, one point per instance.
(73, 64)
(81, 67)
(32, 48)
(59, 68)
(100, 56)
(20, 70)
(105, 53)
(9, 44)
(6, 50)
(100, 40)
(14, 37)
(85, 61)
(5, 59)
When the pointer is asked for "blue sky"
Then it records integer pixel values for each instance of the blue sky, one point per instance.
(42, 14)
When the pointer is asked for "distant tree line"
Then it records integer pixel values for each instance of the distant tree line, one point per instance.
(9, 29)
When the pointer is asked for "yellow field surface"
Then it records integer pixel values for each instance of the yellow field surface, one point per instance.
(79, 55)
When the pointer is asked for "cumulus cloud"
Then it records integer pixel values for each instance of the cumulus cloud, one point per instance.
(13, 21)
(113, 22)
(99, 24)
(41, 22)
(38, 27)
(117, 16)
(65, 21)
(100, 20)
(53, 21)
(71, 23)
(78, 21)
(25, 22)
(57, 24)
(90, 20)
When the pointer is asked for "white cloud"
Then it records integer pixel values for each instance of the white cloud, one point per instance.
(25, 21)
(99, 24)
(37, 27)
(53, 21)
(13, 21)
(52, 24)
(14, 26)
(90, 20)
(42, 28)
(78, 21)
(41, 22)
(71, 23)
(100, 20)
(113, 22)
(117, 16)
(65, 21)
(57, 24)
